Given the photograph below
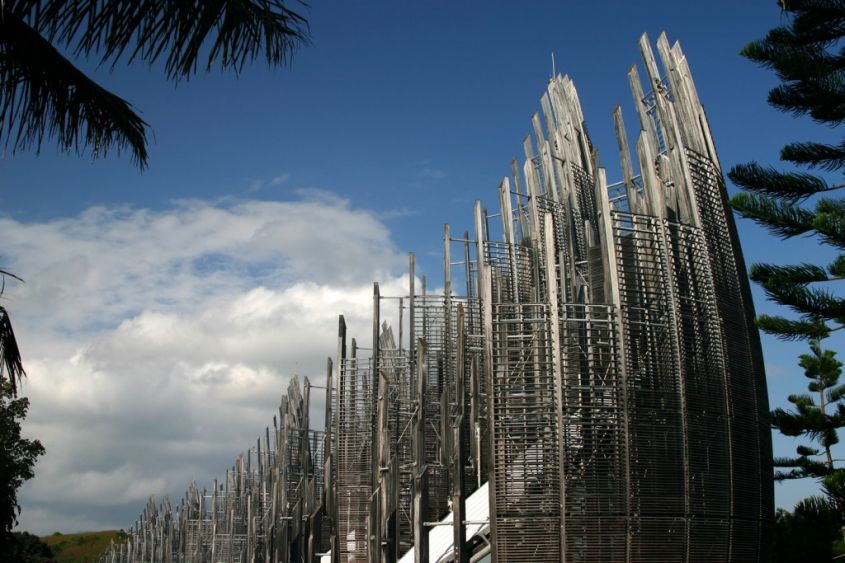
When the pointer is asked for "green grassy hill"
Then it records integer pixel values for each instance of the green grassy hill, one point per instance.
(80, 548)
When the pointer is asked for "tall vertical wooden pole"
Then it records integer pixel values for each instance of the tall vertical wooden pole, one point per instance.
(474, 387)
(486, 298)
(420, 508)
(401, 323)
(467, 269)
(305, 502)
(458, 454)
(520, 203)
(386, 510)
(386, 532)
(331, 483)
(554, 326)
(475, 419)
(447, 269)
(374, 526)
(646, 124)
(625, 156)
(411, 332)
(284, 525)
(445, 399)
(328, 456)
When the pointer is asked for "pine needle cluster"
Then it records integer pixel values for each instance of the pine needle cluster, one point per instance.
(808, 56)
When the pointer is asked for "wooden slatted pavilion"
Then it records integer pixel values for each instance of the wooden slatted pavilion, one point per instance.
(591, 366)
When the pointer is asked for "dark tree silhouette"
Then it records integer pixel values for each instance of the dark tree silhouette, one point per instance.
(808, 534)
(28, 548)
(17, 461)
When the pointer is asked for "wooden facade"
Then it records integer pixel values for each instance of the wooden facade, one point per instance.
(592, 359)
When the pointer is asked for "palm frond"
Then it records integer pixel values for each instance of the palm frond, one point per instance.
(10, 354)
(42, 94)
(4, 273)
(228, 33)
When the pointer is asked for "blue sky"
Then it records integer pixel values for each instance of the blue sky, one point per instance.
(165, 309)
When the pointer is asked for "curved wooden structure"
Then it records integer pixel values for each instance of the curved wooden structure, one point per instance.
(593, 360)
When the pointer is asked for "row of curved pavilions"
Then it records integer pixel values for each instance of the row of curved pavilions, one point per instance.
(588, 386)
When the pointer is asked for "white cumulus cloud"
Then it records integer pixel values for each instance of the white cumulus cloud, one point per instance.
(158, 342)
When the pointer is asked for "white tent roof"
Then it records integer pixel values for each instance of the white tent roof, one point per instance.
(440, 537)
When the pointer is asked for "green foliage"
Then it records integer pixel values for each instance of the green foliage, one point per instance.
(28, 548)
(807, 57)
(17, 460)
(794, 203)
(85, 547)
(43, 94)
(804, 54)
(10, 355)
(769, 181)
(809, 534)
(816, 416)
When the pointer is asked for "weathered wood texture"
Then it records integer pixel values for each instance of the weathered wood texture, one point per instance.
(601, 372)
